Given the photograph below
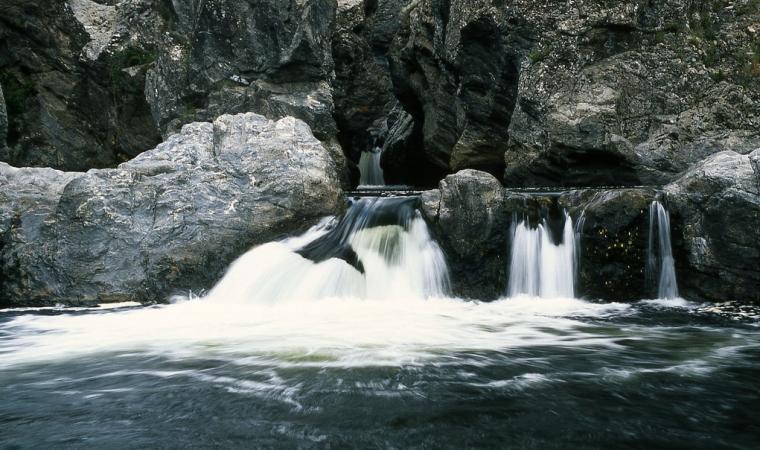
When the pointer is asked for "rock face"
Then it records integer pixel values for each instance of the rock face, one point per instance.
(171, 219)
(234, 56)
(715, 212)
(585, 93)
(73, 77)
(91, 84)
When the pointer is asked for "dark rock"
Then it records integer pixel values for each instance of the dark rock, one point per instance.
(715, 214)
(229, 56)
(73, 78)
(367, 111)
(3, 122)
(471, 216)
(467, 216)
(614, 231)
(171, 219)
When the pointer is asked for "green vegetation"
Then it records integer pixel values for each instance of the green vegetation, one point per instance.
(539, 54)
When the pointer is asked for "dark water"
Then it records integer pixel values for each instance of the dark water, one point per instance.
(647, 376)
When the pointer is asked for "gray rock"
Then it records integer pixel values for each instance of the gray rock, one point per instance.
(467, 216)
(170, 220)
(715, 212)
(584, 93)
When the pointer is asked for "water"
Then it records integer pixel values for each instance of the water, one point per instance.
(345, 337)
(660, 253)
(380, 249)
(371, 174)
(539, 266)
(516, 373)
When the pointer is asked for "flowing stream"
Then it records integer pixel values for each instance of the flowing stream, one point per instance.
(370, 171)
(346, 336)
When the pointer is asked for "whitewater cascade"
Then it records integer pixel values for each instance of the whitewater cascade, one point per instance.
(371, 174)
(660, 261)
(539, 266)
(380, 249)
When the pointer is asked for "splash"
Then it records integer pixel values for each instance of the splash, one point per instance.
(380, 249)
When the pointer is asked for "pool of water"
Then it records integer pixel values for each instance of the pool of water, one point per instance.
(441, 373)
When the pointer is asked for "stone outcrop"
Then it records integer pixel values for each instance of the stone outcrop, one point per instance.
(170, 220)
(586, 93)
(468, 218)
(715, 212)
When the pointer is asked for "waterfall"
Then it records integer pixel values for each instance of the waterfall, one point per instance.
(540, 267)
(660, 254)
(371, 174)
(379, 249)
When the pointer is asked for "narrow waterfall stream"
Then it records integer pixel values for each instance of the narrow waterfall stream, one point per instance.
(660, 263)
(371, 173)
(541, 266)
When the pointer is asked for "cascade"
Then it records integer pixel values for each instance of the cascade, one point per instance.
(539, 266)
(379, 249)
(660, 261)
(371, 174)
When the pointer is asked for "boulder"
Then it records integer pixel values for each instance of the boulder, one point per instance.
(168, 221)
(715, 212)
(467, 216)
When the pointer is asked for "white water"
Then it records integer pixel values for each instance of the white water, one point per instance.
(371, 174)
(326, 332)
(539, 267)
(660, 253)
(400, 261)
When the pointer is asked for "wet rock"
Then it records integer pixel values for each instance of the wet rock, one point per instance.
(715, 215)
(613, 226)
(467, 216)
(168, 221)
(367, 111)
